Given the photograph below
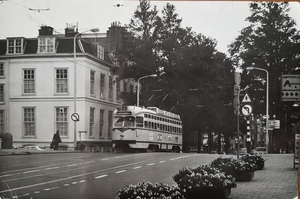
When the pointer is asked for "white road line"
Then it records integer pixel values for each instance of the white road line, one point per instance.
(71, 165)
(74, 182)
(81, 181)
(151, 164)
(183, 157)
(88, 162)
(51, 168)
(31, 171)
(8, 175)
(162, 161)
(65, 185)
(37, 192)
(102, 176)
(122, 171)
(137, 167)
(68, 178)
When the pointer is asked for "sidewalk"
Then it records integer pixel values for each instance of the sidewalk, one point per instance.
(4, 152)
(278, 180)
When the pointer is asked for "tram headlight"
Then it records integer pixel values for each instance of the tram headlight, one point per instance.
(122, 135)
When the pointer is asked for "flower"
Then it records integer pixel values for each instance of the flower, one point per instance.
(147, 190)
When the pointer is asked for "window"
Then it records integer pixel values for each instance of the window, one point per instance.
(101, 123)
(46, 44)
(139, 121)
(62, 121)
(2, 70)
(61, 81)
(102, 85)
(110, 113)
(1, 93)
(92, 82)
(2, 130)
(29, 121)
(124, 86)
(118, 90)
(92, 111)
(110, 88)
(29, 81)
(100, 52)
(15, 46)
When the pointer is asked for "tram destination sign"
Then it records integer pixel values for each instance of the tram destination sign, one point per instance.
(290, 88)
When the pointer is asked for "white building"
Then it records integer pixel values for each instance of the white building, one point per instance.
(37, 84)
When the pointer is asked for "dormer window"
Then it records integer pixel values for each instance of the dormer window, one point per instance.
(46, 44)
(15, 46)
(100, 52)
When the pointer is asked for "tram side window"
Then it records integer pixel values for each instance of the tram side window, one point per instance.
(139, 121)
(146, 124)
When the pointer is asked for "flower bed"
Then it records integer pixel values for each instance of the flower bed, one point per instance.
(147, 190)
(234, 167)
(257, 160)
(205, 181)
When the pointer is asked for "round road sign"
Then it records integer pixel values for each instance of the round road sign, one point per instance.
(247, 109)
(75, 117)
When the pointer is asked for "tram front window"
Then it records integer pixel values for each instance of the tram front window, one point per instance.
(125, 122)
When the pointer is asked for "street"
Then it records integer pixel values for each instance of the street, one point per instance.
(101, 175)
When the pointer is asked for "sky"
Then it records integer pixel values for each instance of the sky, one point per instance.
(220, 20)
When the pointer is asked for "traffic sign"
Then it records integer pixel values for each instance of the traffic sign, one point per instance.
(247, 109)
(75, 117)
(290, 87)
(246, 98)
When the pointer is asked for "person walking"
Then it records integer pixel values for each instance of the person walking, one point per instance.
(55, 141)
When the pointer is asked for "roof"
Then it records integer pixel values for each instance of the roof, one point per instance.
(64, 45)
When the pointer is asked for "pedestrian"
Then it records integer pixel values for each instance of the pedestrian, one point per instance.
(82, 147)
(55, 141)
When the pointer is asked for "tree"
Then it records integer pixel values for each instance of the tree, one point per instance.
(270, 42)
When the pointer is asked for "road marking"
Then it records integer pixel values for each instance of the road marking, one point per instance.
(51, 168)
(65, 185)
(37, 192)
(151, 164)
(102, 176)
(68, 178)
(81, 181)
(183, 157)
(71, 165)
(137, 167)
(31, 171)
(8, 175)
(162, 161)
(74, 182)
(88, 162)
(122, 171)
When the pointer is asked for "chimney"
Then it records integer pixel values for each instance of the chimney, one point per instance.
(45, 30)
(70, 30)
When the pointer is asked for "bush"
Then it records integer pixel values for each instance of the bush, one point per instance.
(256, 160)
(147, 190)
(203, 178)
(232, 166)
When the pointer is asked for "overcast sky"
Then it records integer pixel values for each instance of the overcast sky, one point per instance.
(219, 20)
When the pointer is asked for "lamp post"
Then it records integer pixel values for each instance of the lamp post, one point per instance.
(75, 80)
(138, 88)
(267, 102)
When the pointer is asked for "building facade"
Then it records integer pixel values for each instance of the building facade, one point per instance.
(42, 84)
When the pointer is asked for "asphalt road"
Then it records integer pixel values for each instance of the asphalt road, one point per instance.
(88, 175)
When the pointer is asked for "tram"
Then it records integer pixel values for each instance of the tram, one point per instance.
(150, 129)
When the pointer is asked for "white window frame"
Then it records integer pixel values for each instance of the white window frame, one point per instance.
(61, 81)
(110, 88)
(2, 93)
(15, 46)
(92, 121)
(28, 80)
(102, 85)
(61, 121)
(110, 123)
(92, 82)
(100, 52)
(29, 122)
(46, 45)
(101, 123)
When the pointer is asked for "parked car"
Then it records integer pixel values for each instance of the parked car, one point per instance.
(243, 151)
(259, 150)
(32, 148)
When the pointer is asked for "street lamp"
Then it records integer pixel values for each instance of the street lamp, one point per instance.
(138, 88)
(267, 102)
(75, 80)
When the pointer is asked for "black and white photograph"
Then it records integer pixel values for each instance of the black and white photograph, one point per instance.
(149, 99)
